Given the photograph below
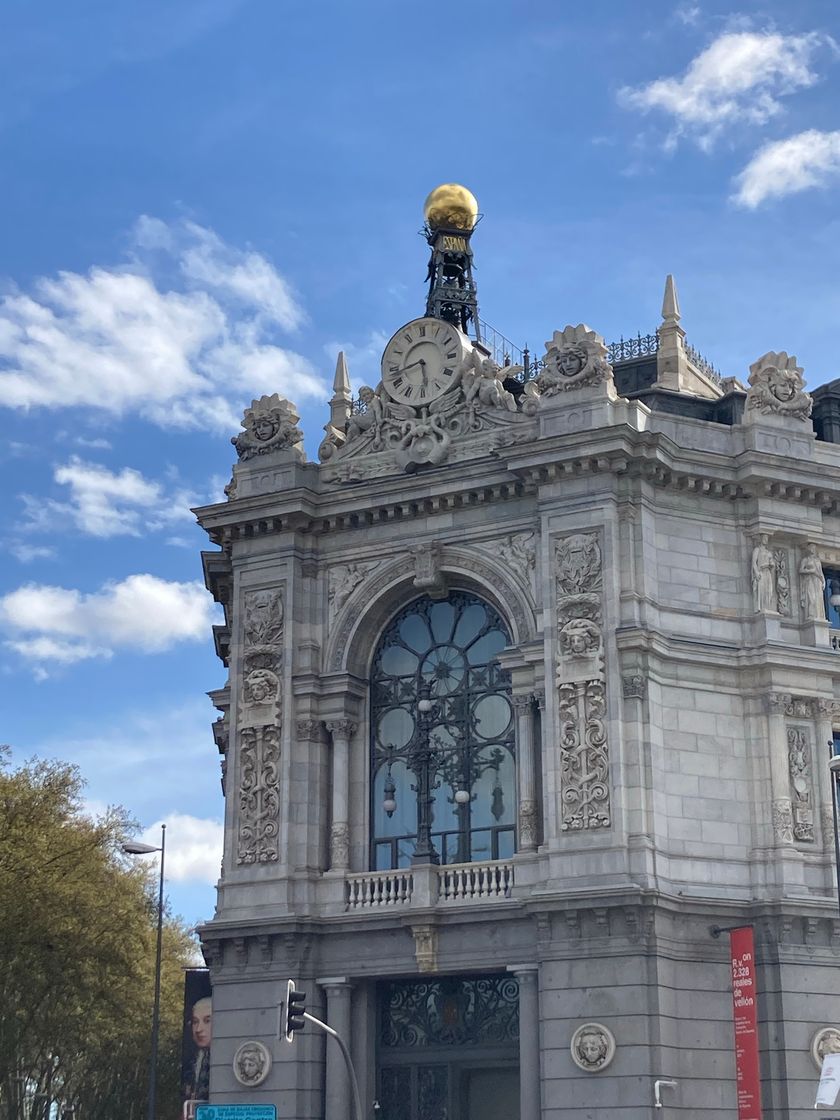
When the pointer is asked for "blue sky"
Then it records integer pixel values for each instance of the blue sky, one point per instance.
(204, 201)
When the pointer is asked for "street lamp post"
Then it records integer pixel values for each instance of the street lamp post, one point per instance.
(834, 770)
(135, 848)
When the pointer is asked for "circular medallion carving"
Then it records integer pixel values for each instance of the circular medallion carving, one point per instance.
(251, 1064)
(825, 1041)
(592, 1047)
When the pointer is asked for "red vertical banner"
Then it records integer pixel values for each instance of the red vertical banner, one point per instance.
(745, 1014)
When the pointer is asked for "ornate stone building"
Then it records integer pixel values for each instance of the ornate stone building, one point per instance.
(530, 689)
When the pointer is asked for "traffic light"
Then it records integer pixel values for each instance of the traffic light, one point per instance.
(295, 1010)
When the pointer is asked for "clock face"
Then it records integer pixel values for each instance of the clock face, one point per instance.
(420, 361)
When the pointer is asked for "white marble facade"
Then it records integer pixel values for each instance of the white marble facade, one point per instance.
(674, 688)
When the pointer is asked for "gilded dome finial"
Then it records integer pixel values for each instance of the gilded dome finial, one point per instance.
(451, 206)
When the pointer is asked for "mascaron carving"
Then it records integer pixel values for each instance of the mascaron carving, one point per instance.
(575, 356)
(270, 425)
(777, 386)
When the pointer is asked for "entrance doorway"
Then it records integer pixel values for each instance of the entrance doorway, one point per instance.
(448, 1048)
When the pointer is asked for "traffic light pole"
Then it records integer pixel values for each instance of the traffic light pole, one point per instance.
(357, 1100)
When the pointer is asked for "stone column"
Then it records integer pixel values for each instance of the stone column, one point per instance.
(342, 731)
(530, 1096)
(528, 816)
(337, 1089)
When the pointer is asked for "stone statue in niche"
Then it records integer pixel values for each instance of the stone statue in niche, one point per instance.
(812, 584)
(592, 1047)
(763, 572)
(777, 386)
(575, 356)
(270, 425)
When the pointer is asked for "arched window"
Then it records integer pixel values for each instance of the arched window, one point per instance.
(448, 649)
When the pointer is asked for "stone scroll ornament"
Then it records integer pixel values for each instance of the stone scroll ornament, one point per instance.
(581, 686)
(260, 714)
(777, 386)
(575, 357)
(270, 424)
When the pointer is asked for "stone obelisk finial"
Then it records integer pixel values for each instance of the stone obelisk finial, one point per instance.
(671, 360)
(342, 397)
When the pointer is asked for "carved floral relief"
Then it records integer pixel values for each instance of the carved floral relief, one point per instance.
(259, 726)
(585, 785)
(799, 767)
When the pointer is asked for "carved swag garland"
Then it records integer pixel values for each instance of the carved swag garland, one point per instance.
(259, 728)
(582, 704)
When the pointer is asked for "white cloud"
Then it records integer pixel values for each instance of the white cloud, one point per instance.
(193, 847)
(738, 79)
(187, 353)
(28, 552)
(688, 14)
(105, 503)
(57, 625)
(809, 159)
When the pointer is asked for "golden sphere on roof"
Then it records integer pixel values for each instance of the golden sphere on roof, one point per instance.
(451, 206)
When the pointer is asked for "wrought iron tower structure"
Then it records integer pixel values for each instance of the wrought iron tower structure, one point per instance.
(450, 222)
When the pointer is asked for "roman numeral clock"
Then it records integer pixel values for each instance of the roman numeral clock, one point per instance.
(420, 361)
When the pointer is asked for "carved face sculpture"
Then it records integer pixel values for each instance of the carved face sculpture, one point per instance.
(260, 686)
(366, 394)
(580, 637)
(782, 386)
(829, 1043)
(571, 361)
(265, 428)
(592, 1048)
(250, 1064)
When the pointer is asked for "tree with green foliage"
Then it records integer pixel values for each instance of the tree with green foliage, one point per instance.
(77, 956)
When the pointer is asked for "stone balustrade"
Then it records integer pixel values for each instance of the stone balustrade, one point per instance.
(455, 882)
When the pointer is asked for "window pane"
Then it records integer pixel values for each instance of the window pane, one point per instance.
(415, 633)
(486, 648)
(442, 617)
(492, 716)
(469, 624)
(398, 661)
(505, 842)
(395, 727)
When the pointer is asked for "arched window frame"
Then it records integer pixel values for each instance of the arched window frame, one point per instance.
(472, 722)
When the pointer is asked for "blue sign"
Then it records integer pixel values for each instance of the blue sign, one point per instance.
(236, 1112)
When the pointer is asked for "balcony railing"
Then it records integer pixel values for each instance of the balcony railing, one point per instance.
(464, 881)
(378, 890)
(375, 891)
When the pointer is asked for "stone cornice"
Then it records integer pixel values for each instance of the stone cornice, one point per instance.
(651, 456)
